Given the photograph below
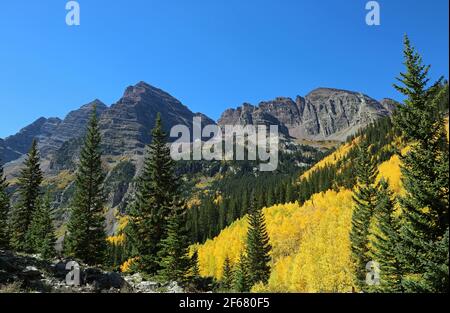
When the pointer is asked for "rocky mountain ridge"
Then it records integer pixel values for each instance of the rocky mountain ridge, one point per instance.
(323, 114)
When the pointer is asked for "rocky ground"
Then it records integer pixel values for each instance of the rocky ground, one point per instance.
(30, 274)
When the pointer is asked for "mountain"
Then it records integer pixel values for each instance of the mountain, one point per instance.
(18, 144)
(389, 104)
(323, 114)
(126, 129)
(126, 125)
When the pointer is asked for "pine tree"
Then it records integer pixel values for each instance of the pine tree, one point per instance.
(41, 236)
(242, 279)
(386, 242)
(424, 171)
(86, 238)
(436, 273)
(365, 202)
(227, 276)
(29, 191)
(289, 192)
(174, 259)
(156, 188)
(195, 270)
(258, 246)
(4, 211)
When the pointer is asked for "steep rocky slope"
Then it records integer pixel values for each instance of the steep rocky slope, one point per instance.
(323, 114)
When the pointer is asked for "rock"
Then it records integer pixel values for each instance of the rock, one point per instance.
(31, 273)
(147, 287)
(133, 279)
(174, 288)
(324, 114)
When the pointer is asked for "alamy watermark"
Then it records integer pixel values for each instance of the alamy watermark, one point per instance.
(373, 274)
(230, 142)
(73, 14)
(373, 17)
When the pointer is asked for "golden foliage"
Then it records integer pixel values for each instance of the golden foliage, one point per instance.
(126, 266)
(331, 159)
(390, 170)
(62, 180)
(119, 238)
(311, 248)
(193, 201)
(310, 243)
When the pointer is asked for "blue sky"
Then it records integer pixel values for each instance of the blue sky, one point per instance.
(210, 54)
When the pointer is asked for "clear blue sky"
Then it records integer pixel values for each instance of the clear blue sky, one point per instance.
(210, 54)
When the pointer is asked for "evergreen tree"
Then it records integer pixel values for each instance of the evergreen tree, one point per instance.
(386, 242)
(174, 259)
(156, 188)
(289, 192)
(227, 276)
(86, 238)
(258, 246)
(436, 274)
(29, 191)
(365, 202)
(4, 211)
(195, 269)
(41, 236)
(242, 279)
(424, 171)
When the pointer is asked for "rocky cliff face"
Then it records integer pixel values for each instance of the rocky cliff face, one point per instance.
(126, 126)
(323, 114)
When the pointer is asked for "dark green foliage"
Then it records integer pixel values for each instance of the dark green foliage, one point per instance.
(195, 270)
(386, 242)
(242, 278)
(4, 211)
(436, 274)
(258, 246)
(174, 260)
(29, 191)
(41, 235)
(227, 275)
(365, 198)
(236, 184)
(156, 188)
(424, 171)
(86, 238)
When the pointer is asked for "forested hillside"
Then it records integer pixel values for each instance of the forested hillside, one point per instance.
(378, 205)
(311, 244)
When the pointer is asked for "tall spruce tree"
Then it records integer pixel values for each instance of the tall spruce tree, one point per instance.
(41, 236)
(365, 194)
(424, 171)
(242, 278)
(29, 191)
(386, 242)
(227, 275)
(174, 258)
(195, 269)
(156, 188)
(258, 246)
(4, 211)
(86, 237)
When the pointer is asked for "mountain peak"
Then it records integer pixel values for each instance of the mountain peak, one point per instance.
(96, 102)
(321, 91)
